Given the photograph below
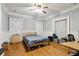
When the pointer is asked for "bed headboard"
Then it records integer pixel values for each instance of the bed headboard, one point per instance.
(29, 33)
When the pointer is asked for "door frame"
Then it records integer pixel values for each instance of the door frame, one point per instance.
(60, 19)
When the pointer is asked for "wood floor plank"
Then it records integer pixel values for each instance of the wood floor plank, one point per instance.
(54, 49)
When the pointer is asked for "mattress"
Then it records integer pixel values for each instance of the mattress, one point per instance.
(30, 40)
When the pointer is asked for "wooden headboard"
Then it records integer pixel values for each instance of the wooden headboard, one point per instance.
(29, 33)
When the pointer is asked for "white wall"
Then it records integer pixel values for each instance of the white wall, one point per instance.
(0, 25)
(5, 20)
(15, 25)
(74, 20)
(39, 27)
(28, 24)
(48, 26)
(4, 34)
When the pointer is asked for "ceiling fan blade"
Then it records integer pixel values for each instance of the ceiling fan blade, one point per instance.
(44, 12)
(34, 4)
(31, 9)
(45, 7)
(39, 6)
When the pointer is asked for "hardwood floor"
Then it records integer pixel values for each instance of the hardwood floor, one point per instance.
(19, 49)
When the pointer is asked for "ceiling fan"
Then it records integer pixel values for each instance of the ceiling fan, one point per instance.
(39, 7)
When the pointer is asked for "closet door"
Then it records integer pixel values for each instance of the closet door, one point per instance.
(15, 25)
(61, 28)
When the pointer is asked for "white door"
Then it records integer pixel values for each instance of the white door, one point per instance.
(61, 28)
(15, 25)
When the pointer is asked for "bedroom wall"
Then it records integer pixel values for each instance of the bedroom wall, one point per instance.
(29, 23)
(0, 18)
(5, 20)
(0, 25)
(74, 21)
(39, 26)
(48, 27)
(4, 32)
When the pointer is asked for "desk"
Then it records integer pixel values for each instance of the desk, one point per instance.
(73, 45)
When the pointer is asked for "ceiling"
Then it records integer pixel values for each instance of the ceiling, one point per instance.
(23, 8)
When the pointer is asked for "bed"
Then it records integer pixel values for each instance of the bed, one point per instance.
(32, 39)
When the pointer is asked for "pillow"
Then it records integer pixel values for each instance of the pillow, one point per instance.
(29, 34)
(34, 34)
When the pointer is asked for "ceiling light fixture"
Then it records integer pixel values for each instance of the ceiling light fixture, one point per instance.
(39, 8)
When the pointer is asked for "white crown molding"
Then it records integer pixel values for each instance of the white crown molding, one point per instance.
(70, 9)
(19, 15)
(64, 11)
(3, 6)
(13, 13)
(52, 16)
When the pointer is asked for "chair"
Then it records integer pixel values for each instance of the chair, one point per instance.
(50, 38)
(71, 37)
(64, 39)
(15, 38)
(15, 41)
(55, 37)
(77, 54)
(4, 47)
(1, 51)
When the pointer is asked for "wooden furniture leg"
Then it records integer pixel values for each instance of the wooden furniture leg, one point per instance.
(28, 48)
